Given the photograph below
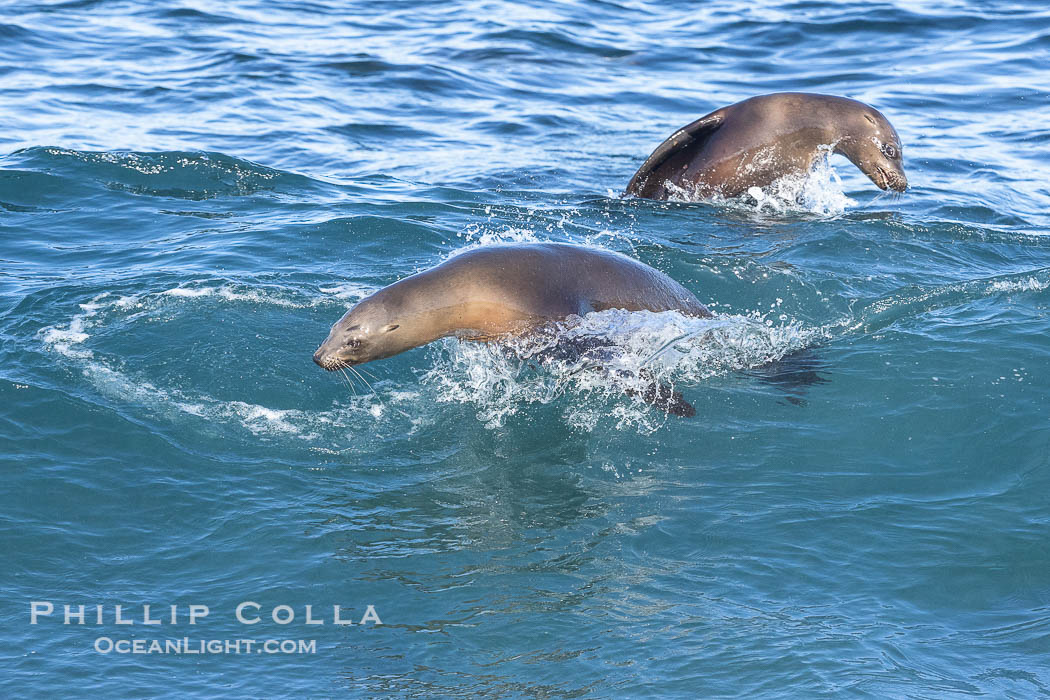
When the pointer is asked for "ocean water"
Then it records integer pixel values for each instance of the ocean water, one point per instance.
(192, 193)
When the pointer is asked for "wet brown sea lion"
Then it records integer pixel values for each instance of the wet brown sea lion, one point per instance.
(503, 291)
(754, 142)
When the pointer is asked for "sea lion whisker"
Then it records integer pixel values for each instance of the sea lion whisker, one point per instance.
(374, 392)
(349, 383)
(354, 372)
(362, 378)
(342, 381)
(881, 195)
(364, 371)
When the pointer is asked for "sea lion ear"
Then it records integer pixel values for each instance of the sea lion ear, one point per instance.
(391, 327)
(689, 137)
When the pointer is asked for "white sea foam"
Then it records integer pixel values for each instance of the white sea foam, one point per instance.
(1030, 284)
(124, 386)
(63, 340)
(186, 292)
(347, 290)
(67, 341)
(328, 295)
(480, 237)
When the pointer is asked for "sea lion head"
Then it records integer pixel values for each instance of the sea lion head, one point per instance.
(370, 330)
(872, 144)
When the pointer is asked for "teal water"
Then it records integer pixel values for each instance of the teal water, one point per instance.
(191, 194)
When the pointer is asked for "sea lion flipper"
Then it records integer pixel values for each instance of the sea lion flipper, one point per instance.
(794, 374)
(690, 136)
(664, 397)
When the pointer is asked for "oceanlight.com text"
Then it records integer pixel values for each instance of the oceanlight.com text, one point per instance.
(185, 645)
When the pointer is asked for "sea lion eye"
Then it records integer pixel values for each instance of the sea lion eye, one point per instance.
(890, 150)
(392, 327)
(352, 344)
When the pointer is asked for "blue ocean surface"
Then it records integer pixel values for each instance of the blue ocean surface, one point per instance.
(192, 193)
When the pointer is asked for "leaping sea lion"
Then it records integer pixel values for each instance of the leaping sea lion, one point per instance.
(754, 142)
(498, 292)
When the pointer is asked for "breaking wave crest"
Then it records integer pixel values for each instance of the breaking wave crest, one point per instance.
(595, 368)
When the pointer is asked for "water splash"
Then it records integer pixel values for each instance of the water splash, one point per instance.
(634, 349)
(630, 351)
(818, 192)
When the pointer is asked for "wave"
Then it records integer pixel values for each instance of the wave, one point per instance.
(914, 301)
(174, 174)
(495, 380)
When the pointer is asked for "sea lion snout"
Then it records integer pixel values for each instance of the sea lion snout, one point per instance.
(887, 177)
(326, 360)
(320, 359)
(336, 353)
(897, 181)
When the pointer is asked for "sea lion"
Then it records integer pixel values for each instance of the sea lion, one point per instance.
(498, 292)
(754, 142)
